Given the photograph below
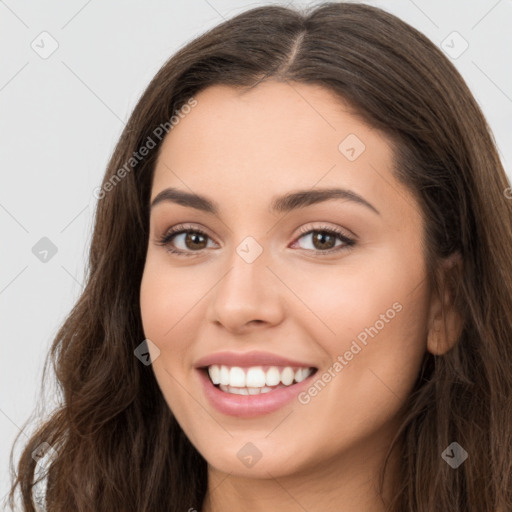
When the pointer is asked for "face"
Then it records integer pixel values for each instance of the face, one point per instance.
(330, 284)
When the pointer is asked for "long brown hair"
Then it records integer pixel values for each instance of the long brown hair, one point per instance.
(117, 444)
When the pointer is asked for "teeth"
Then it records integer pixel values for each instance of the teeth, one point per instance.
(223, 375)
(237, 377)
(214, 372)
(245, 391)
(273, 377)
(254, 380)
(301, 374)
(287, 376)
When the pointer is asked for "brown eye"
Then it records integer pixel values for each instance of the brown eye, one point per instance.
(186, 241)
(195, 240)
(323, 240)
(192, 240)
(183, 240)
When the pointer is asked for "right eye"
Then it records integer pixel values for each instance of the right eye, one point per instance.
(188, 236)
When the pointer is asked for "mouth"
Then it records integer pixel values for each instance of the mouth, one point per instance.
(254, 383)
(255, 380)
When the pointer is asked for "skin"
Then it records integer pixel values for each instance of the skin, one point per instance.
(241, 150)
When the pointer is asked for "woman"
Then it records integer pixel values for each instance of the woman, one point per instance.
(300, 285)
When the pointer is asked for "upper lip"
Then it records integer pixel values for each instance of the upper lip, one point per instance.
(254, 358)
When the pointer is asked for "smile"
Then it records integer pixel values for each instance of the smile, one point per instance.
(255, 380)
(247, 392)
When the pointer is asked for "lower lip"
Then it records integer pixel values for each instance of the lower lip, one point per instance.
(246, 406)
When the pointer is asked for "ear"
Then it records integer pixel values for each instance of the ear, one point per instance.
(445, 322)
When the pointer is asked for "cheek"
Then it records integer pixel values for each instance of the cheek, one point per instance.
(374, 365)
(172, 305)
(161, 311)
(168, 299)
(347, 299)
(371, 318)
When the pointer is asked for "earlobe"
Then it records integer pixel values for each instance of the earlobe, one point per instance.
(445, 321)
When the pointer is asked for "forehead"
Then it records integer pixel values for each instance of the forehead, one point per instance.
(273, 114)
(282, 136)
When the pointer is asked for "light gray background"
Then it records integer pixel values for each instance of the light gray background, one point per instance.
(61, 116)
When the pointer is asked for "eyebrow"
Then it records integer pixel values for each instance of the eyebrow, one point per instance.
(286, 203)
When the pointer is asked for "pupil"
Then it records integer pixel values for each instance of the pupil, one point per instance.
(191, 237)
(321, 237)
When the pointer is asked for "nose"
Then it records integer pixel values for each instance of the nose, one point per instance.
(247, 296)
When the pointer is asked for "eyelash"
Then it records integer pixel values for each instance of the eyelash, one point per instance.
(182, 228)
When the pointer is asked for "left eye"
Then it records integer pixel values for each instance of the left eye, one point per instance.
(195, 240)
(324, 240)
